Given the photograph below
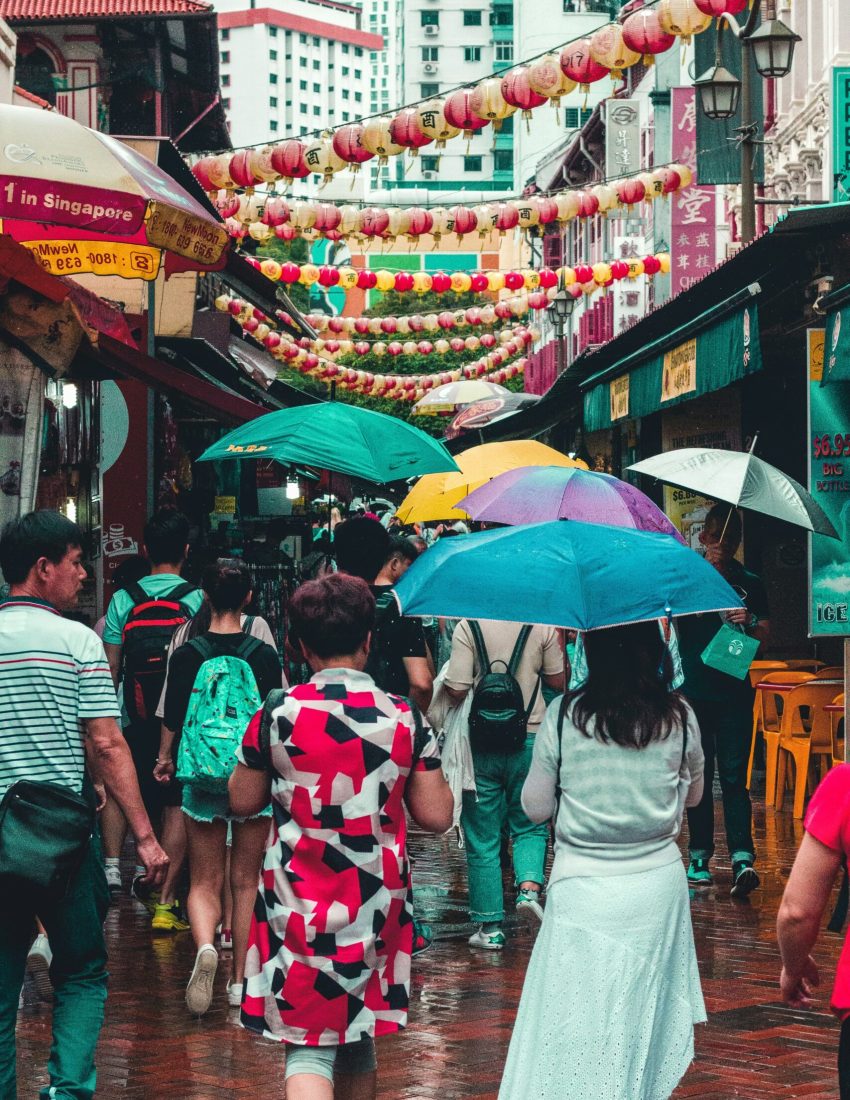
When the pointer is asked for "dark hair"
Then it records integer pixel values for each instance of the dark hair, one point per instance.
(166, 535)
(361, 546)
(628, 692)
(726, 519)
(226, 583)
(401, 547)
(333, 615)
(131, 569)
(42, 534)
(419, 544)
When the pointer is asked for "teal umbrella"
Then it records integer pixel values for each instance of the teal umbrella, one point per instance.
(334, 436)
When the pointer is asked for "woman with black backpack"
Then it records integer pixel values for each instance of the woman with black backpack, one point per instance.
(216, 682)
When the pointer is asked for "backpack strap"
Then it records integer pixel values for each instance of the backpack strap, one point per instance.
(273, 701)
(136, 593)
(420, 737)
(247, 647)
(513, 665)
(203, 647)
(249, 622)
(179, 593)
(480, 647)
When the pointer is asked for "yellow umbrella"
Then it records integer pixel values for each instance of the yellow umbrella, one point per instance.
(434, 496)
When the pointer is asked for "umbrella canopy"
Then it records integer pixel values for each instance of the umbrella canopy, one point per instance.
(481, 413)
(435, 496)
(334, 436)
(539, 493)
(741, 479)
(92, 188)
(445, 399)
(577, 575)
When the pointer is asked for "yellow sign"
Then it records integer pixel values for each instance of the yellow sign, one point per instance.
(225, 506)
(129, 261)
(619, 396)
(679, 374)
(252, 448)
(188, 236)
(817, 337)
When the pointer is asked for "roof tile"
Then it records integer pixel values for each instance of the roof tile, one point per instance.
(26, 11)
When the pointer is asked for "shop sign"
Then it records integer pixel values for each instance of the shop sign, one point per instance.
(829, 484)
(188, 236)
(679, 371)
(622, 136)
(225, 506)
(693, 209)
(841, 134)
(128, 261)
(619, 390)
(629, 294)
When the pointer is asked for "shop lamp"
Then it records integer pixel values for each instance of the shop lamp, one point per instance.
(71, 509)
(773, 48)
(561, 307)
(293, 489)
(719, 92)
(69, 395)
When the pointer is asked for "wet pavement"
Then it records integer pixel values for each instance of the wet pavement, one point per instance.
(462, 1006)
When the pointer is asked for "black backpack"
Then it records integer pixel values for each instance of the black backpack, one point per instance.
(382, 664)
(498, 717)
(145, 638)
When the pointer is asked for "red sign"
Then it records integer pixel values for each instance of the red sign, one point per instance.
(693, 217)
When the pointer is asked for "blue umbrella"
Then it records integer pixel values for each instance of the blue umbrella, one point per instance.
(577, 575)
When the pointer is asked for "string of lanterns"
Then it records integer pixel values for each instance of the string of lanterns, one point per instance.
(546, 79)
(583, 278)
(415, 323)
(394, 348)
(262, 216)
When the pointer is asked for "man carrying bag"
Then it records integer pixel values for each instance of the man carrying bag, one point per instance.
(57, 708)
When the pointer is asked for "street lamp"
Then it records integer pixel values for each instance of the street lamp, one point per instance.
(720, 91)
(560, 310)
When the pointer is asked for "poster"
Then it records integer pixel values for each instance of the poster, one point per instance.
(679, 373)
(619, 389)
(829, 484)
(710, 421)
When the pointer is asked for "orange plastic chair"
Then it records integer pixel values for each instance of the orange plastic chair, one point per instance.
(801, 744)
(832, 672)
(759, 669)
(836, 730)
(806, 664)
(767, 718)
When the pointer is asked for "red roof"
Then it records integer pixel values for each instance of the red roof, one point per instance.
(28, 11)
(274, 18)
(36, 100)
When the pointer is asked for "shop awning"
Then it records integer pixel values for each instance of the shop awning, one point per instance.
(719, 347)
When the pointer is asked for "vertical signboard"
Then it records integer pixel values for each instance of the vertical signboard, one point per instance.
(622, 136)
(840, 134)
(124, 465)
(629, 294)
(829, 484)
(693, 214)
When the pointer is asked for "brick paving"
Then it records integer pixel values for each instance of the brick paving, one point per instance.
(463, 1004)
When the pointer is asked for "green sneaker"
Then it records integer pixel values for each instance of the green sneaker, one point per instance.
(745, 879)
(489, 941)
(698, 872)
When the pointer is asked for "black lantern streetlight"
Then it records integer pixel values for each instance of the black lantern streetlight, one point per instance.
(560, 310)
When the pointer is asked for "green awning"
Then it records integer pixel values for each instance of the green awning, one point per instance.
(702, 361)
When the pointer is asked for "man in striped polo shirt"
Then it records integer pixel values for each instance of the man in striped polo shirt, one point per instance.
(58, 707)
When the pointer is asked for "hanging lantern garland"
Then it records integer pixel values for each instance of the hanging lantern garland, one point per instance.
(414, 324)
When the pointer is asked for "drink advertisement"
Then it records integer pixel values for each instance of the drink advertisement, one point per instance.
(829, 484)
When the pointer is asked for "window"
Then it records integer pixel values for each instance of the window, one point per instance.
(358, 52)
(317, 111)
(317, 65)
(272, 101)
(303, 108)
(472, 164)
(225, 80)
(272, 55)
(429, 89)
(272, 32)
(575, 117)
(273, 126)
(225, 57)
(358, 73)
(315, 41)
(429, 19)
(502, 17)
(430, 164)
(430, 53)
(226, 104)
(302, 61)
(345, 47)
(302, 85)
(472, 53)
(472, 18)
(345, 94)
(302, 38)
(503, 160)
(504, 51)
(345, 116)
(272, 78)
(358, 97)
(345, 70)
(225, 35)
(317, 87)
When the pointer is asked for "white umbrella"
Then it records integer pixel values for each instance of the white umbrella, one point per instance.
(446, 398)
(741, 479)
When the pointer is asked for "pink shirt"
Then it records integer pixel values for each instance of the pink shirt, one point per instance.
(828, 820)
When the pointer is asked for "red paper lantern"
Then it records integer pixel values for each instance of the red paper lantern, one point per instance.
(328, 217)
(405, 131)
(588, 204)
(440, 282)
(670, 178)
(419, 221)
(240, 169)
(374, 221)
(548, 209)
(503, 310)
(288, 159)
(642, 32)
(200, 170)
(367, 280)
(336, 325)
(651, 265)
(458, 112)
(348, 146)
(389, 325)
(331, 346)
(456, 343)
(488, 340)
(403, 281)
(514, 280)
(538, 300)
(276, 212)
(507, 217)
(630, 191)
(478, 283)
(425, 347)
(328, 276)
(361, 325)
(518, 92)
(619, 269)
(272, 341)
(227, 204)
(394, 348)
(290, 272)
(446, 320)
(466, 220)
(472, 315)
(578, 65)
(548, 278)
(416, 323)
(716, 8)
(584, 273)
(285, 232)
(362, 347)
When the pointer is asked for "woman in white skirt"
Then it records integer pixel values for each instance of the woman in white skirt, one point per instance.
(612, 991)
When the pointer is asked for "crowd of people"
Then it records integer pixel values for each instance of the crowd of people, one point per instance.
(270, 820)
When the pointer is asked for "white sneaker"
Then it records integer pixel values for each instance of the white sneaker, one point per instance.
(234, 994)
(113, 880)
(199, 991)
(489, 941)
(528, 904)
(38, 964)
(226, 939)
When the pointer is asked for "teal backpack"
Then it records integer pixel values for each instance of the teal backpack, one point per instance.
(224, 699)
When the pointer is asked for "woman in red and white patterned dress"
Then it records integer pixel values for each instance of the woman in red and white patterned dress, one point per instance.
(328, 964)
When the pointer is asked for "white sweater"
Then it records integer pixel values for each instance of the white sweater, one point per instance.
(620, 809)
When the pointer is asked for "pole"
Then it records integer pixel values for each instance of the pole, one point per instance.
(561, 349)
(748, 187)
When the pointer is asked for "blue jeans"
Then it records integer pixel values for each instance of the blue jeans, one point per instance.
(498, 779)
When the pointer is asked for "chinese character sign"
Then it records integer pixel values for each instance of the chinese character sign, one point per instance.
(629, 294)
(693, 216)
(622, 136)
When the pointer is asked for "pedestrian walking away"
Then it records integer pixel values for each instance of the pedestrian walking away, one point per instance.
(615, 762)
(57, 711)
(329, 957)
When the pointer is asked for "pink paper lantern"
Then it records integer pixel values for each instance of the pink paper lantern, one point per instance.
(288, 160)
(478, 282)
(328, 217)
(642, 32)
(517, 91)
(374, 221)
(348, 146)
(578, 64)
(458, 112)
(405, 131)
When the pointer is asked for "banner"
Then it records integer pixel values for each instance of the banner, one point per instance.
(693, 211)
(679, 374)
(829, 484)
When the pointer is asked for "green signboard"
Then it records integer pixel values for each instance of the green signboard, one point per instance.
(840, 134)
(829, 484)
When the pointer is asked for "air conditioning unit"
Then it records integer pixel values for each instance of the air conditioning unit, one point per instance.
(430, 67)
(431, 31)
(429, 175)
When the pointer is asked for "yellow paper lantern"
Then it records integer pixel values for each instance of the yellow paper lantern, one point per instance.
(430, 323)
(375, 326)
(546, 77)
(589, 288)
(486, 213)
(421, 282)
(218, 171)
(472, 343)
(433, 123)
(568, 205)
(271, 269)
(608, 48)
(346, 347)
(682, 18)
(495, 281)
(261, 332)
(321, 158)
(529, 214)
(686, 176)
(460, 318)
(403, 326)
(441, 347)
(250, 209)
(664, 259)
(349, 220)
(309, 274)
(376, 138)
(461, 282)
(442, 222)
(379, 348)
(488, 315)
(607, 197)
(531, 279)
(635, 268)
(257, 231)
(408, 347)
(347, 279)
(260, 165)
(222, 303)
(302, 215)
(488, 102)
(654, 187)
(385, 280)
(601, 273)
(399, 222)
(568, 275)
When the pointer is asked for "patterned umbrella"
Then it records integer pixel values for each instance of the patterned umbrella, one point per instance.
(445, 400)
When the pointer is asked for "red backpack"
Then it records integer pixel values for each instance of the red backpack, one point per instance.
(145, 639)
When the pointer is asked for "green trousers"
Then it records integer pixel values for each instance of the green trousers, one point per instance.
(498, 781)
(74, 928)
